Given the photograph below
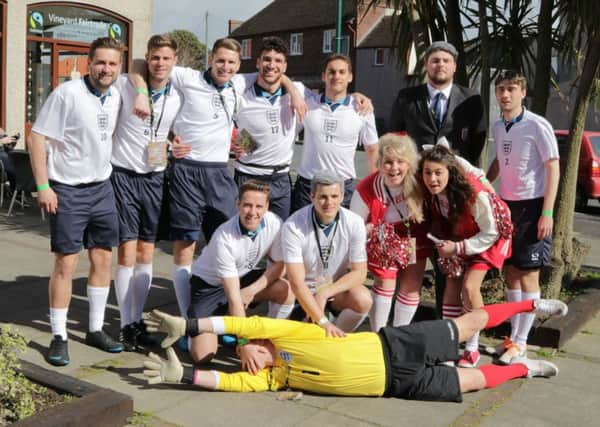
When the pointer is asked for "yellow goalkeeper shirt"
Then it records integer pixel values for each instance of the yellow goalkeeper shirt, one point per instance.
(308, 360)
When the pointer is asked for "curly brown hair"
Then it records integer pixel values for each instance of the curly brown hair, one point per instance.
(459, 191)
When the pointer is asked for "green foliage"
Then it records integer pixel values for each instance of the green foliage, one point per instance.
(19, 398)
(190, 52)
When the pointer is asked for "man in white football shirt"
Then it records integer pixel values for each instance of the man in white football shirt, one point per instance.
(332, 130)
(324, 250)
(70, 146)
(139, 159)
(226, 277)
(266, 116)
(527, 164)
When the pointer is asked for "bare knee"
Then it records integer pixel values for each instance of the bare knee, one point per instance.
(65, 265)
(470, 379)
(203, 348)
(360, 300)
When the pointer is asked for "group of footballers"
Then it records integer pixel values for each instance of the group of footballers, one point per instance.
(99, 151)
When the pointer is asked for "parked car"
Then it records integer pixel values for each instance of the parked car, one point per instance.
(588, 175)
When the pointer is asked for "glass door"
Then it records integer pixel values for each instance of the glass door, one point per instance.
(71, 63)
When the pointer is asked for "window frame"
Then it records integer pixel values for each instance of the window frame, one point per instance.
(377, 63)
(331, 35)
(296, 44)
(246, 52)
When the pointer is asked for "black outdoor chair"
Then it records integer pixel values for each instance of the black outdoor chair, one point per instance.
(24, 180)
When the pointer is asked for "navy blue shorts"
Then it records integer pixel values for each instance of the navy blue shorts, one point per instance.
(138, 197)
(86, 217)
(528, 253)
(281, 190)
(301, 193)
(202, 196)
(413, 354)
(208, 300)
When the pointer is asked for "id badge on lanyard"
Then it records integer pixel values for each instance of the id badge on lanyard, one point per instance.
(157, 149)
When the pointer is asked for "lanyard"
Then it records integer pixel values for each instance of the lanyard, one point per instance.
(405, 221)
(162, 110)
(324, 256)
(230, 117)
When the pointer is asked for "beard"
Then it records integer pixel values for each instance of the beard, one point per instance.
(439, 81)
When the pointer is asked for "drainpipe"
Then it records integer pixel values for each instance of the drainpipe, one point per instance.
(338, 31)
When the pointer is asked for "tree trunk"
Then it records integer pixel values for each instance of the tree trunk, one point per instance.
(543, 62)
(455, 36)
(563, 225)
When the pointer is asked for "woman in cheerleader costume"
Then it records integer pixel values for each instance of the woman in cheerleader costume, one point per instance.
(472, 230)
(390, 201)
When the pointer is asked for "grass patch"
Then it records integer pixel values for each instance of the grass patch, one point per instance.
(545, 353)
(141, 419)
(586, 332)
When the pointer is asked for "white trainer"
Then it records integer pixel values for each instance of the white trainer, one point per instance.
(538, 368)
(513, 351)
(550, 307)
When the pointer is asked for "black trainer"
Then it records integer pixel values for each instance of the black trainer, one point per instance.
(58, 353)
(144, 337)
(128, 337)
(101, 340)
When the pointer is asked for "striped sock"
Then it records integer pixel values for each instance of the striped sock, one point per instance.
(451, 311)
(406, 307)
(380, 310)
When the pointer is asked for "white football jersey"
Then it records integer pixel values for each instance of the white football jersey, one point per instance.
(79, 128)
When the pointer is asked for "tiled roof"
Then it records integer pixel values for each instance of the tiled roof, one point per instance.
(285, 15)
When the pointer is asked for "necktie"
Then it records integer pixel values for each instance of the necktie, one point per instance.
(437, 108)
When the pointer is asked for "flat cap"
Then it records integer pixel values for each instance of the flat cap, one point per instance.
(441, 45)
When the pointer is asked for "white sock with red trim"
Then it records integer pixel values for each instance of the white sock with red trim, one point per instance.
(380, 310)
(451, 311)
(405, 308)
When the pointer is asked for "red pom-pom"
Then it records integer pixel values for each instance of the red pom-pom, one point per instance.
(387, 249)
(452, 267)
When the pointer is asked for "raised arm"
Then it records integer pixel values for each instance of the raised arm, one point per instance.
(137, 78)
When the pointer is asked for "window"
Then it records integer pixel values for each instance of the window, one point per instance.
(296, 44)
(246, 48)
(379, 57)
(328, 41)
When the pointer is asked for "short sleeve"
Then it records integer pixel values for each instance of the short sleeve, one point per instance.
(368, 133)
(358, 242)
(292, 241)
(225, 261)
(51, 119)
(546, 142)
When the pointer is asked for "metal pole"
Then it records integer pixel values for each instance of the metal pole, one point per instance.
(338, 31)
(206, 40)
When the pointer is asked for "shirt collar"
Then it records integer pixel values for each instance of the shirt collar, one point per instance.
(335, 104)
(94, 91)
(509, 123)
(155, 94)
(433, 91)
(248, 233)
(211, 82)
(271, 97)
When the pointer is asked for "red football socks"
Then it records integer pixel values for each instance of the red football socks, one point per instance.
(495, 375)
(498, 313)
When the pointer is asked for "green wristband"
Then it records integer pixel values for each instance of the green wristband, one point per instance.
(547, 212)
(141, 90)
(242, 341)
(43, 187)
(483, 179)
